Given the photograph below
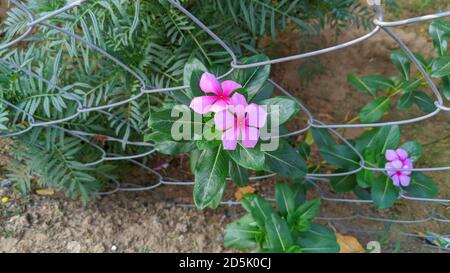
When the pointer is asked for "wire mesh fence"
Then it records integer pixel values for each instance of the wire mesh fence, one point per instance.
(315, 178)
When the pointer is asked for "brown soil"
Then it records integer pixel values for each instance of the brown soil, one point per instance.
(149, 221)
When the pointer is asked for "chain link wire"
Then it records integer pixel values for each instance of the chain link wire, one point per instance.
(314, 178)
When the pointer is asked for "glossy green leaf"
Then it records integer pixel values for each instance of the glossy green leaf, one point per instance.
(252, 159)
(301, 218)
(285, 161)
(343, 183)
(370, 84)
(387, 137)
(319, 239)
(440, 67)
(414, 150)
(278, 233)
(284, 108)
(384, 193)
(284, 197)
(210, 174)
(402, 62)
(253, 79)
(375, 110)
(238, 174)
(421, 186)
(424, 102)
(242, 234)
(259, 209)
(341, 156)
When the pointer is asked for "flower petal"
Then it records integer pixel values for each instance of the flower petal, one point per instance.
(228, 87)
(397, 164)
(224, 120)
(238, 99)
(396, 180)
(404, 180)
(389, 166)
(202, 104)
(230, 139)
(402, 154)
(210, 84)
(391, 155)
(250, 137)
(218, 106)
(256, 115)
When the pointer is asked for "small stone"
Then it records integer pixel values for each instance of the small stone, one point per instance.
(74, 247)
(6, 183)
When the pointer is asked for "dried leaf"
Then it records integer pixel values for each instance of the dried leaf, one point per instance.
(45, 192)
(349, 244)
(243, 191)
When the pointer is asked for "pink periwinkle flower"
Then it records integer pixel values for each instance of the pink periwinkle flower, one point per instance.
(398, 160)
(220, 94)
(240, 121)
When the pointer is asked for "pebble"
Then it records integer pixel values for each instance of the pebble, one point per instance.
(6, 183)
(74, 247)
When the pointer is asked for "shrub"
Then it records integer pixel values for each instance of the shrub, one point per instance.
(151, 37)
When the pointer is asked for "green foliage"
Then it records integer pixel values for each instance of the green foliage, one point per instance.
(404, 88)
(287, 229)
(372, 145)
(156, 41)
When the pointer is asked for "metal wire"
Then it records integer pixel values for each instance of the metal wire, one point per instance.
(315, 178)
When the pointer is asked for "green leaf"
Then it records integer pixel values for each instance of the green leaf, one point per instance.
(343, 183)
(238, 174)
(264, 93)
(259, 209)
(440, 67)
(414, 150)
(406, 100)
(299, 191)
(424, 102)
(365, 138)
(322, 137)
(252, 159)
(445, 86)
(194, 158)
(284, 198)
(300, 220)
(242, 234)
(365, 178)
(319, 239)
(278, 233)
(287, 108)
(375, 110)
(210, 174)
(195, 90)
(304, 150)
(439, 30)
(387, 137)
(285, 161)
(370, 84)
(253, 79)
(191, 65)
(163, 120)
(421, 186)
(384, 193)
(165, 145)
(341, 156)
(402, 62)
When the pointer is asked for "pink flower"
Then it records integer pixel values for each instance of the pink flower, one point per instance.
(398, 160)
(220, 98)
(240, 121)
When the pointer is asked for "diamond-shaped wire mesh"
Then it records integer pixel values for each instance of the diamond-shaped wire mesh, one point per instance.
(380, 25)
